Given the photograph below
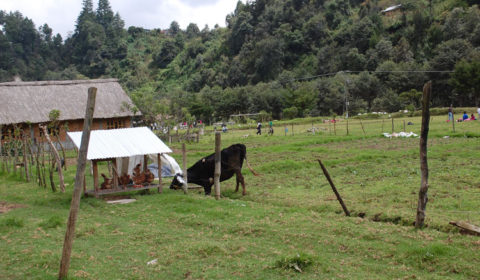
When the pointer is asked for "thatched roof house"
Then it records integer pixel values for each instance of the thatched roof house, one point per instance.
(23, 103)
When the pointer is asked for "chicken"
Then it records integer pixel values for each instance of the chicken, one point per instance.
(149, 177)
(125, 179)
(107, 182)
(138, 176)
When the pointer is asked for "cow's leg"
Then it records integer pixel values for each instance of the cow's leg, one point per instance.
(238, 182)
(242, 181)
(208, 189)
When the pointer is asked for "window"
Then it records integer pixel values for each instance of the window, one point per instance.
(113, 124)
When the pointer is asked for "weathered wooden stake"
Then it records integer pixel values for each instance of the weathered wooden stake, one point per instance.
(383, 122)
(218, 164)
(25, 159)
(334, 126)
(57, 156)
(185, 177)
(404, 130)
(453, 121)
(393, 126)
(79, 180)
(422, 194)
(339, 198)
(347, 127)
(292, 130)
(363, 129)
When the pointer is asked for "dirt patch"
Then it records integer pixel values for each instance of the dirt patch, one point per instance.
(116, 197)
(5, 207)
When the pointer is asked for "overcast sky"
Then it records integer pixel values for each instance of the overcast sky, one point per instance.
(61, 15)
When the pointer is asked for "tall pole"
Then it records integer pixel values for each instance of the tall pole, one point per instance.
(185, 175)
(218, 164)
(79, 180)
(422, 194)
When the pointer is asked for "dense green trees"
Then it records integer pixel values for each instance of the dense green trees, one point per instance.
(289, 58)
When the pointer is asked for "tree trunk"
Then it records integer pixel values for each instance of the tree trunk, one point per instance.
(422, 195)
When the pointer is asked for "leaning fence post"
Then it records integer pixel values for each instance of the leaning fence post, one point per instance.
(79, 180)
(339, 198)
(218, 164)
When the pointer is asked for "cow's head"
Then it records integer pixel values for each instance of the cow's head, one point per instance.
(177, 182)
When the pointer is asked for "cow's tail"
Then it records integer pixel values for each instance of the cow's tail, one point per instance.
(243, 154)
(249, 167)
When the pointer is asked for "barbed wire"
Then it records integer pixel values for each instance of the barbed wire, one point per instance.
(376, 71)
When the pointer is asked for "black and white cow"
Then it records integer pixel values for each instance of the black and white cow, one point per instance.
(202, 172)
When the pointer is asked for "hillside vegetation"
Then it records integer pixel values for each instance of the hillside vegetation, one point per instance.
(288, 58)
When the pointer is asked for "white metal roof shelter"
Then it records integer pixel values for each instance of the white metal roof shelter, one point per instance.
(118, 143)
(124, 148)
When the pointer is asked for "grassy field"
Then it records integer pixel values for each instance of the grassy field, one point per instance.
(288, 226)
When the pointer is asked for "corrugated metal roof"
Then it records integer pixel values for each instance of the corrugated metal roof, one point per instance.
(124, 142)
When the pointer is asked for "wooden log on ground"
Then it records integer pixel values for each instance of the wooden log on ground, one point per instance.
(422, 194)
(218, 164)
(79, 180)
(466, 227)
(339, 198)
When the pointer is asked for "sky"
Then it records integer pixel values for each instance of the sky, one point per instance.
(61, 15)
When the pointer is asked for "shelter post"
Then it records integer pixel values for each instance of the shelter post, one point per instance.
(95, 176)
(115, 175)
(159, 164)
(145, 163)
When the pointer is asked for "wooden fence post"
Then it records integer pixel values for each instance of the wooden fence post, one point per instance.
(404, 130)
(347, 127)
(363, 129)
(383, 122)
(185, 177)
(453, 121)
(293, 134)
(339, 198)
(218, 164)
(393, 126)
(57, 156)
(25, 160)
(159, 164)
(422, 194)
(79, 180)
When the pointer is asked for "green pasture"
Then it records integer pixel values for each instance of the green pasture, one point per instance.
(288, 226)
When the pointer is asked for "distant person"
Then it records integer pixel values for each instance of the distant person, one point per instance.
(472, 117)
(450, 113)
(465, 116)
(270, 128)
(478, 111)
(259, 128)
(224, 128)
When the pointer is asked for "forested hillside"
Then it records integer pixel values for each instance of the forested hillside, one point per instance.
(288, 58)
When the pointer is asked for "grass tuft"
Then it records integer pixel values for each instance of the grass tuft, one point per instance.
(297, 263)
(13, 222)
(52, 222)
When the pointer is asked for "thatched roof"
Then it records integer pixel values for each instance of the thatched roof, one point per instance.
(22, 102)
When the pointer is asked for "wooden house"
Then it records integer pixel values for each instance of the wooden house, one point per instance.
(25, 105)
